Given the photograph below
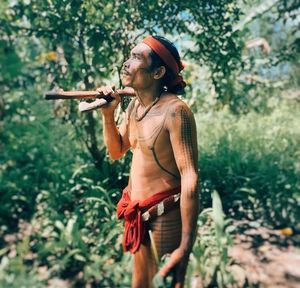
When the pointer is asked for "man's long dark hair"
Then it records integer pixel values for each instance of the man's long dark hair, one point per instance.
(158, 62)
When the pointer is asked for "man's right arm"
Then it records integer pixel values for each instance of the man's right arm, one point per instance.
(116, 139)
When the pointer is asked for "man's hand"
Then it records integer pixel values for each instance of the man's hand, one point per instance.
(109, 91)
(178, 262)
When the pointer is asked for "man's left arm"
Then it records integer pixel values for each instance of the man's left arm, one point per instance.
(182, 128)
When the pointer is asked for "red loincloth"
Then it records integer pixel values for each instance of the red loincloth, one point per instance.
(131, 211)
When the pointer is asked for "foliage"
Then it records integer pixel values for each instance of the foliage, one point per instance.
(267, 66)
(72, 231)
(58, 189)
(75, 236)
(33, 158)
(210, 261)
(270, 66)
(80, 44)
(253, 162)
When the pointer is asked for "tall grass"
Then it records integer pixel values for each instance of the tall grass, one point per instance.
(253, 161)
(209, 265)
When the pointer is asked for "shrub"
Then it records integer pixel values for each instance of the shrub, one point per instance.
(254, 163)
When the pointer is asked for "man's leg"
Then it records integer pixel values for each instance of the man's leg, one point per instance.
(144, 267)
(166, 230)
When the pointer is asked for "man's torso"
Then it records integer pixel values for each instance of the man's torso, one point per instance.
(153, 166)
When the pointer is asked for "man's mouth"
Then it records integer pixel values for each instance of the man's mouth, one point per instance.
(126, 73)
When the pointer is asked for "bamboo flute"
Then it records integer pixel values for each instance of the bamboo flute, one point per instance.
(100, 99)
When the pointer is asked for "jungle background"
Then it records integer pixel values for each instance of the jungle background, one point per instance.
(58, 188)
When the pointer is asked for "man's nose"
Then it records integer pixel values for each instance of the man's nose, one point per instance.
(126, 64)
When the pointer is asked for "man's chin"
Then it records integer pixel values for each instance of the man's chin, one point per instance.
(125, 82)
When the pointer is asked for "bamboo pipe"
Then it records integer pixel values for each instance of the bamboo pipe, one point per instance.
(100, 100)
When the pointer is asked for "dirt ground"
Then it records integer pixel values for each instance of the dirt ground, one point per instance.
(267, 258)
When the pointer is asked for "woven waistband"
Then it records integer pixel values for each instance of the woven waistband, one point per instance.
(161, 208)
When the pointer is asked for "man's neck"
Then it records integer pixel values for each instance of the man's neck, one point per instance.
(147, 96)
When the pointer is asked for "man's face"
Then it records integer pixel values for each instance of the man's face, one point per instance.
(136, 72)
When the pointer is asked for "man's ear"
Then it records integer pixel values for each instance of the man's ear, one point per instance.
(159, 72)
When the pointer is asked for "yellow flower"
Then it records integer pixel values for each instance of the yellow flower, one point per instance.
(286, 231)
(51, 56)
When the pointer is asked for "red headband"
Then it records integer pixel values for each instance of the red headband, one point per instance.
(168, 59)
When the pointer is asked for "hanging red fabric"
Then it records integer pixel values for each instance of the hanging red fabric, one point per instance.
(131, 211)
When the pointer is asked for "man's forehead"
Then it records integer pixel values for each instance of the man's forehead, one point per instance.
(142, 49)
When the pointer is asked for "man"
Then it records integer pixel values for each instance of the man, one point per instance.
(160, 130)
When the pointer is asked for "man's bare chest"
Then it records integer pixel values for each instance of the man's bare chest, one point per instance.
(148, 132)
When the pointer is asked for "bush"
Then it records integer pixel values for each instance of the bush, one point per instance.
(254, 163)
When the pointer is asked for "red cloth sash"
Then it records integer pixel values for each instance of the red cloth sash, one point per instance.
(131, 211)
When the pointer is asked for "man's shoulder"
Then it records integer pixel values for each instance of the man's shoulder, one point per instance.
(178, 112)
(176, 105)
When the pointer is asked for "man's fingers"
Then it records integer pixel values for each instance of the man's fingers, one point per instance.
(106, 90)
(177, 261)
(116, 95)
(100, 91)
(164, 271)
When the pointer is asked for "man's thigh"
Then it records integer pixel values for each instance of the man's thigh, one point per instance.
(166, 231)
(144, 267)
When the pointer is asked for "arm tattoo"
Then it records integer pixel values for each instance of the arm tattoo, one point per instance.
(186, 147)
(186, 134)
(187, 138)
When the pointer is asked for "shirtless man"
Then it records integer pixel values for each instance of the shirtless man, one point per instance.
(160, 130)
